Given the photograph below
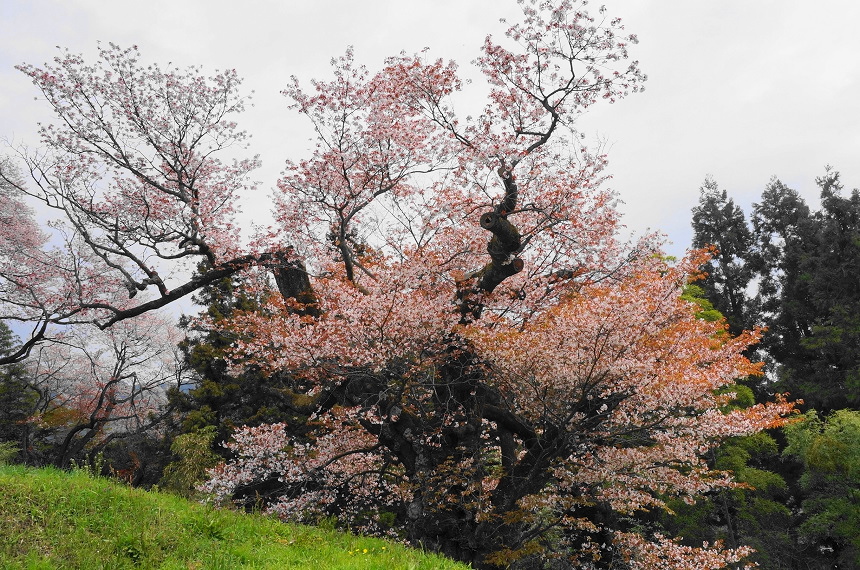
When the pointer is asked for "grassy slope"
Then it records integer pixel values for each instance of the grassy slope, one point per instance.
(53, 519)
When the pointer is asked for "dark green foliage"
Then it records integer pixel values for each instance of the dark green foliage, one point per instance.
(719, 222)
(783, 227)
(804, 286)
(17, 399)
(810, 289)
(796, 272)
(8, 452)
(220, 399)
(138, 459)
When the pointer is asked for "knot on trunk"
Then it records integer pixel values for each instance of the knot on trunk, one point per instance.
(503, 248)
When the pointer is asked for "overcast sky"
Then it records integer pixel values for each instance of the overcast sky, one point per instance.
(740, 89)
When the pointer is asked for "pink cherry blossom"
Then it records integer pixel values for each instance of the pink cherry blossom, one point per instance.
(485, 368)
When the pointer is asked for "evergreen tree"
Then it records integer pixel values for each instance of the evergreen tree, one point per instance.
(220, 398)
(828, 362)
(17, 398)
(808, 265)
(804, 267)
(783, 231)
(719, 222)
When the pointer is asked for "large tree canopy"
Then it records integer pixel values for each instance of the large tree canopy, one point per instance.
(487, 371)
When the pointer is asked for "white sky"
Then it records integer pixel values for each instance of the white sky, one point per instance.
(740, 89)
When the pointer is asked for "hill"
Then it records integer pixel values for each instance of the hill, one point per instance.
(51, 519)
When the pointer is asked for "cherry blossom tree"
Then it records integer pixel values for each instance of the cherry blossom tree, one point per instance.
(487, 370)
(28, 271)
(96, 386)
(132, 172)
(515, 440)
(506, 402)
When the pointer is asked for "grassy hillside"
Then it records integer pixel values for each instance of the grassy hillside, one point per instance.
(52, 519)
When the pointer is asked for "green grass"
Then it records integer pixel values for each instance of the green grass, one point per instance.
(51, 519)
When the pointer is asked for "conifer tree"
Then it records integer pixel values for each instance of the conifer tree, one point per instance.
(720, 223)
(808, 263)
(17, 399)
